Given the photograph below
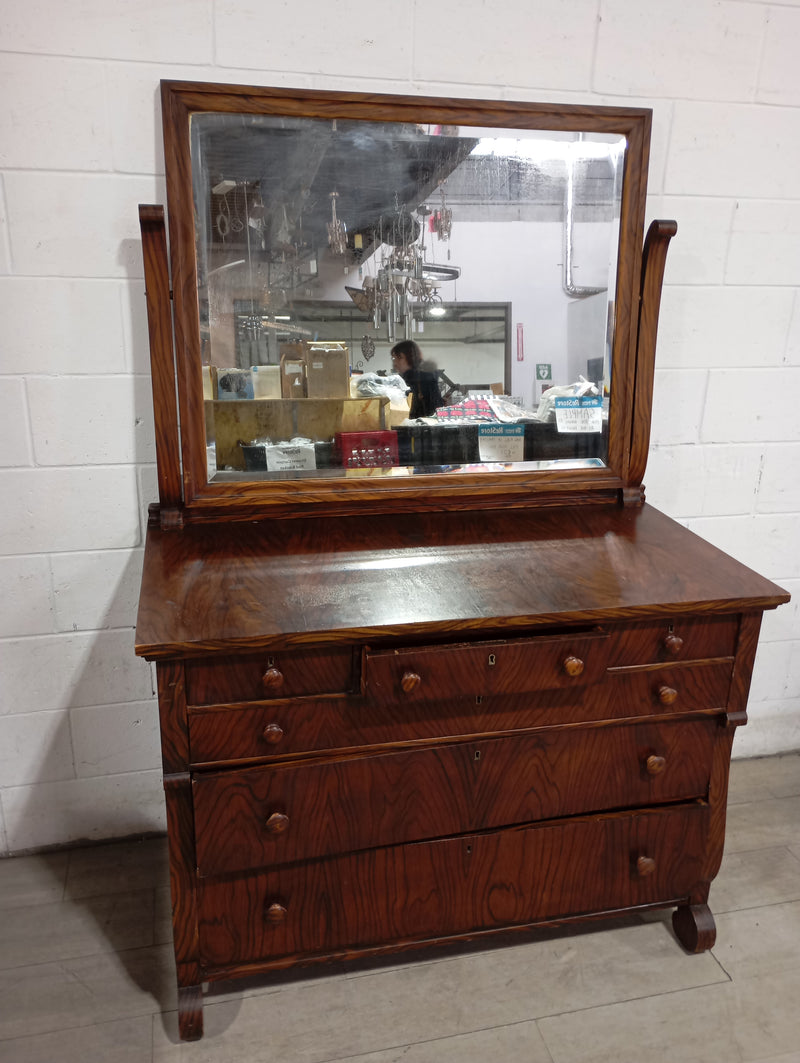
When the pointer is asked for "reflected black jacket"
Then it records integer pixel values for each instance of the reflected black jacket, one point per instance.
(425, 397)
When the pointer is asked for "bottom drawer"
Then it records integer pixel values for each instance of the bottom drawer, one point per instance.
(431, 890)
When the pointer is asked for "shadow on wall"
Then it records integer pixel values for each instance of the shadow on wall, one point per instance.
(88, 763)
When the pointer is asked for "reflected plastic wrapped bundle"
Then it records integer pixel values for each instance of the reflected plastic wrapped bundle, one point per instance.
(547, 405)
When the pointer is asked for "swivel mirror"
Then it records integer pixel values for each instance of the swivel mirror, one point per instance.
(492, 246)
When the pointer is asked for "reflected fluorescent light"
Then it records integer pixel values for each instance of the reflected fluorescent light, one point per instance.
(542, 150)
(283, 317)
(437, 311)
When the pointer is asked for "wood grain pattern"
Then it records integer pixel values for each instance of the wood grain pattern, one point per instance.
(358, 803)
(172, 716)
(691, 687)
(432, 890)
(325, 671)
(699, 637)
(485, 668)
(162, 360)
(190, 1011)
(280, 583)
(231, 733)
(743, 668)
(182, 881)
(654, 259)
(694, 927)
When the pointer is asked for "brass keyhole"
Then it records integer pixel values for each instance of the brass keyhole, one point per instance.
(477, 754)
(478, 699)
(491, 659)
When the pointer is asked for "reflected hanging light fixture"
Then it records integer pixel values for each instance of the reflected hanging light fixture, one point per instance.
(337, 230)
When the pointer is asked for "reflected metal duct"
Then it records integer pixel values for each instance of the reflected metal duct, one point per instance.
(567, 283)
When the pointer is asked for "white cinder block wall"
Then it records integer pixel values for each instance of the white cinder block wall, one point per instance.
(80, 148)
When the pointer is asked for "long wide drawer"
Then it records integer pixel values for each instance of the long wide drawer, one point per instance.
(435, 890)
(280, 728)
(482, 668)
(278, 814)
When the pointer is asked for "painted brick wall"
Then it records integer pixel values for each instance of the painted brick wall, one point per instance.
(80, 148)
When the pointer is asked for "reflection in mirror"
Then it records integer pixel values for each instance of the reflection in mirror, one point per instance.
(323, 244)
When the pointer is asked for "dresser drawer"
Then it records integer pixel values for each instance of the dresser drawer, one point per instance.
(430, 673)
(680, 688)
(268, 730)
(440, 889)
(255, 677)
(678, 639)
(276, 815)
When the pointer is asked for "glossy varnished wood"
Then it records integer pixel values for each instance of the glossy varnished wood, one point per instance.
(396, 797)
(437, 889)
(287, 674)
(484, 668)
(656, 689)
(246, 585)
(654, 259)
(162, 360)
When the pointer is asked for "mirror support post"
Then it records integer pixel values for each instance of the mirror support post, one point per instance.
(654, 257)
(162, 362)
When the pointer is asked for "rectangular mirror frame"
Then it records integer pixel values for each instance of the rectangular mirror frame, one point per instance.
(202, 500)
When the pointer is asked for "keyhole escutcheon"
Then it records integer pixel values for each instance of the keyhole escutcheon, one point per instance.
(492, 660)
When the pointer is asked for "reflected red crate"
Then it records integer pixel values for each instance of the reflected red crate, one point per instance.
(366, 450)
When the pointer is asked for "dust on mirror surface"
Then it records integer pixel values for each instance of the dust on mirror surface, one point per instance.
(484, 258)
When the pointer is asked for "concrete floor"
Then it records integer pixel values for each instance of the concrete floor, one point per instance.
(86, 972)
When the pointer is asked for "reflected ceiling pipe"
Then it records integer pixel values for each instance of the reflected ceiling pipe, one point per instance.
(226, 265)
(568, 284)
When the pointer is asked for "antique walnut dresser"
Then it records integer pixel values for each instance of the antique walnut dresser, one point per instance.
(407, 704)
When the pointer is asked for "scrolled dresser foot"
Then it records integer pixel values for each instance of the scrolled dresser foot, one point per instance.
(694, 927)
(190, 1012)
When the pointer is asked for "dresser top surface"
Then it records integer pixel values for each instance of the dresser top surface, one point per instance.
(229, 586)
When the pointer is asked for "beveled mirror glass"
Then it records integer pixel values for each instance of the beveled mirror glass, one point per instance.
(486, 245)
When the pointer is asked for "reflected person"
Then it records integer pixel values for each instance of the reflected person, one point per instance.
(425, 396)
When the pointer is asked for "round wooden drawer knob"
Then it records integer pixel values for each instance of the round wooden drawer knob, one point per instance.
(277, 823)
(273, 733)
(673, 644)
(410, 681)
(645, 866)
(655, 765)
(573, 666)
(272, 679)
(667, 695)
(275, 913)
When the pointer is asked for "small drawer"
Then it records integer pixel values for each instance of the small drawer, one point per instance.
(438, 889)
(257, 677)
(431, 673)
(677, 639)
(279, 814)
(687, 688)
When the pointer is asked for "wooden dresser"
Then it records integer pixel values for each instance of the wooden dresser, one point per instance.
(394, 720)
